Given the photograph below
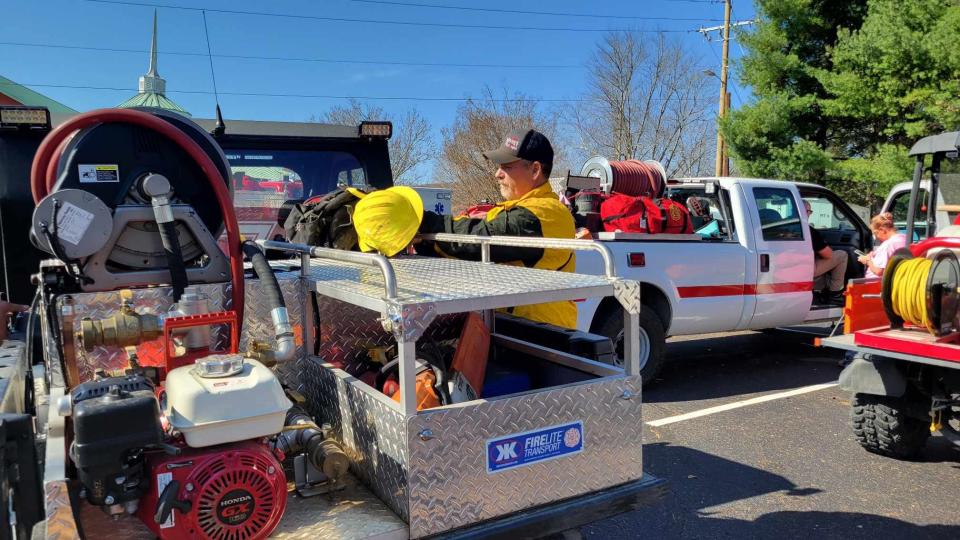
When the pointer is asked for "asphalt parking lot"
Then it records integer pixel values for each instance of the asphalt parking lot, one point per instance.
(782, 465)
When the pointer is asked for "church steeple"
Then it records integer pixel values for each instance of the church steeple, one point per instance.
(152, 81)
(153, 87)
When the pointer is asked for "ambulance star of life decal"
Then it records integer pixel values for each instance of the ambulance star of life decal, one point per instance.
(521, 449)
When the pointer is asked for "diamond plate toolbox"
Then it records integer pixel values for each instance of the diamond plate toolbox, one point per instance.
(449, 484)
(431, 469)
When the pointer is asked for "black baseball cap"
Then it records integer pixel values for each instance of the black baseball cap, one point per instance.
(530, 145)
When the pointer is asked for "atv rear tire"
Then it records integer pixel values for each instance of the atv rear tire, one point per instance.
(882, 426)
(652, 340)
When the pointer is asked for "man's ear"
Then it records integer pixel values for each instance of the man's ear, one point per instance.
(537, 168)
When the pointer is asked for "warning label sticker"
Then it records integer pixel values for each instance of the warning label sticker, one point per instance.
(72, 223)
(99, 174)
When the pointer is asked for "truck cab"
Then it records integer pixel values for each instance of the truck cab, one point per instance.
(273, 162)
(749, 264)
(926, 224)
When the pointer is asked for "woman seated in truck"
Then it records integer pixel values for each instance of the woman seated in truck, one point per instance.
(885, 231)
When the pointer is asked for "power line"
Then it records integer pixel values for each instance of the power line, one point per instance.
(385, 21)
(292, 58)
(742, 53)
(523, 12)
(323, 96)
(213, 74)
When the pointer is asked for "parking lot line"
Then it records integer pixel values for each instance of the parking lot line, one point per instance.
(737, 404)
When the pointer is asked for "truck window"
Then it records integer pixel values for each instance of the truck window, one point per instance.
(779, 218)
(706, 211)
(950, 191)
(827, 216)
(353, 177)
(264, 179)
(900, 206)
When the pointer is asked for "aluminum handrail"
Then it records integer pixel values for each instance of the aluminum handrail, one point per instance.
(531, 242)
(368, 259)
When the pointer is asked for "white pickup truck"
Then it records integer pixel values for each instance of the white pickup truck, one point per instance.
(749, 266)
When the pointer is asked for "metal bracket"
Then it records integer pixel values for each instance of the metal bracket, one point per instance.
(627, 292)
(408, 322)
(97, 266)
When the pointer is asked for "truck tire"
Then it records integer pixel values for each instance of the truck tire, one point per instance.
(652, 340)
(882, 426)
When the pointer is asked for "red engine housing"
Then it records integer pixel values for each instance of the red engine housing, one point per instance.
(236, 492)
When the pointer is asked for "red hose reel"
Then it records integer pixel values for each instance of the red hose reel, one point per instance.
(43, 173)
(629, 177)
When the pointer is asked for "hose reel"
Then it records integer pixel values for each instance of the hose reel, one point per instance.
(922, 292)
(629, 177)
(134, 197)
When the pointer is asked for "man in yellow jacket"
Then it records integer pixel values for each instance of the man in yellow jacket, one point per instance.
(530, 208)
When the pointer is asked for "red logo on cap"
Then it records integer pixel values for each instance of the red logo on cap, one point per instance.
(512, 143)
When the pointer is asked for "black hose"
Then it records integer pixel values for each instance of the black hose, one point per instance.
(171, 246)
(31, 317)
(30, 399)
(265, 275)
(307, 438)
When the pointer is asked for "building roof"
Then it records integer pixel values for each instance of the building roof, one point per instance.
(26, 96)
(152, 99)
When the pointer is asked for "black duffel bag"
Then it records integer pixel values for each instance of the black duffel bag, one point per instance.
(325, 221)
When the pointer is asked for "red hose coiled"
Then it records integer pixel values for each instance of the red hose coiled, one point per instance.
(635, 178)
(43, 173)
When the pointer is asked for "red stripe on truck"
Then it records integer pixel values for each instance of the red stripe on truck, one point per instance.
(774, 288)
(703, 291)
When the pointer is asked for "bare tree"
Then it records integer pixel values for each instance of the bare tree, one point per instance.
(481, 124)
(646, 99)
(410, 145)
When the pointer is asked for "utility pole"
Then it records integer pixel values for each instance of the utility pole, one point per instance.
(723, 160)
(721, 169)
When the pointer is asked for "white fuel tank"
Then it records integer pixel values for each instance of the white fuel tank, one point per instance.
(224, 398)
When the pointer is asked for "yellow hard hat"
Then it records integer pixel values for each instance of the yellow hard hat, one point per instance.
(387, 220)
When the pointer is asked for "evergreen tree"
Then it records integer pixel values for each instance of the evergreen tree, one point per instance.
(843, 89)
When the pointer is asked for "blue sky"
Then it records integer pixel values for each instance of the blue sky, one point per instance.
(89, 24)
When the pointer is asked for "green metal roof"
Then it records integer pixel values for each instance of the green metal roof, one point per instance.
(151, 99)
(29, 97)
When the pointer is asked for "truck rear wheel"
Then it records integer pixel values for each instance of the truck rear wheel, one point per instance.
(882, 426)
(652, 340)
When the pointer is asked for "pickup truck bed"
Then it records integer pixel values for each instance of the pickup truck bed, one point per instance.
(749, 266)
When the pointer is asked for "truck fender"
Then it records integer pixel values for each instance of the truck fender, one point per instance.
(875, 375)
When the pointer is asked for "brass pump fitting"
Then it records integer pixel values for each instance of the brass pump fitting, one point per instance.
(262, 352)
(125, 329)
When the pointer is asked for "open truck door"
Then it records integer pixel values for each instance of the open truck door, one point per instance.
(780, 282)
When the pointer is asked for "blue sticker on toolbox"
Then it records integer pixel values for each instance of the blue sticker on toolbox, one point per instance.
(529, 447)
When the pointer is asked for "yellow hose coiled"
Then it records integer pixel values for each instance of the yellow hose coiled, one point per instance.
(909, 291)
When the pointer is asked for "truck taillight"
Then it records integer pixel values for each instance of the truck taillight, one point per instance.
(637, 259)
